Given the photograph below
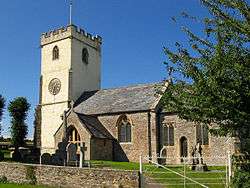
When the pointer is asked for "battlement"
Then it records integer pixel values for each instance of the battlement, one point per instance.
(69, 31)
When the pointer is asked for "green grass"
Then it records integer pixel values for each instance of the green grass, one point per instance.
(115, 165)
(216, 174)
(168, 179)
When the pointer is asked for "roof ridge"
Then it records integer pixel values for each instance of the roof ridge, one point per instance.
(133, 86)
(130, 98)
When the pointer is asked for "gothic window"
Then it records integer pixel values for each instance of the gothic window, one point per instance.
(165, 135)
(202, 134)
(168, 135)
(55, 53)
(124, 129)
(85, 56)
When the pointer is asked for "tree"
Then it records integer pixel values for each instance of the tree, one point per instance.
(2, 105)
(18, 109)
(210, 80)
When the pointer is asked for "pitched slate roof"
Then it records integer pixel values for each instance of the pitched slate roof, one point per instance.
(124, 99)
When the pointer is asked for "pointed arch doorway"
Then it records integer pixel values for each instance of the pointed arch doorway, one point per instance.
(73, 146)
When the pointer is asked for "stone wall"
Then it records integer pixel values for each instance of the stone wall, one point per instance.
(139, 144)
(101, 149)
(215, 153)
(69, 177)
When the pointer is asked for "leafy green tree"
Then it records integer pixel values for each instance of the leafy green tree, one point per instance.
(2, 105)
(18, 109)
(210, 79)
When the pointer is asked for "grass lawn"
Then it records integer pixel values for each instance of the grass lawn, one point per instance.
(115, 165)
(214, 178)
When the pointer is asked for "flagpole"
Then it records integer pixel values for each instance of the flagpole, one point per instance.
(70, 13)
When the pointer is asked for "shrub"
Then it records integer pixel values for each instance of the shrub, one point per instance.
(241, 164)
(241, 179)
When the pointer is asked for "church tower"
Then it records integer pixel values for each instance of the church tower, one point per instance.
(70, 65)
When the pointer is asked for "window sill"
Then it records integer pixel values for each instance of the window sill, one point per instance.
(168, 146)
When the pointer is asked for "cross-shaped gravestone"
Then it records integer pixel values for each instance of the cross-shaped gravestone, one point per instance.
(82, 153)
(71, 153)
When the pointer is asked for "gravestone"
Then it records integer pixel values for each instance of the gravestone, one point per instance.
(198, 164)
(71, 154)
(45, 159)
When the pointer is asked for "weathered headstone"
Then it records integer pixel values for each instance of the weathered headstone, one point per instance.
(71, 154)
(46, 159)
(198, 164)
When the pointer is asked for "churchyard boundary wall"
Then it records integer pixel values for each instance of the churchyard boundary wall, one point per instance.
(68, 177)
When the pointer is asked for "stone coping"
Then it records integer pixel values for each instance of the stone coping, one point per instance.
(69, 167)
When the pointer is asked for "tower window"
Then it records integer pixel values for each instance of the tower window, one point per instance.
(85, 56)
(55, 53)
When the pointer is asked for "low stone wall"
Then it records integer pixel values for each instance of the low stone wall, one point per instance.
(68, 177)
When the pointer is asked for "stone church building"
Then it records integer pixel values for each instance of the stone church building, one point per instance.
(115, 124)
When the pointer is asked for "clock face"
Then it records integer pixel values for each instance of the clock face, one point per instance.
(55, 86)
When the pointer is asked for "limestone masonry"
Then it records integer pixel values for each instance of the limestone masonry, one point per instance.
(69, 177)
(114, 124)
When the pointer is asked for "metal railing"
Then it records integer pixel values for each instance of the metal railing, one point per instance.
(156, 173)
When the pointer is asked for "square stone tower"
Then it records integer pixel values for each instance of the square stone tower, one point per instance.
(70, 65)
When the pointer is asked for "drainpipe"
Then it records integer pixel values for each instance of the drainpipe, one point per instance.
(149, 137)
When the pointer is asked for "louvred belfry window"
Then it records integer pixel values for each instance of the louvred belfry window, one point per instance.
(85, 56)
(55, 53)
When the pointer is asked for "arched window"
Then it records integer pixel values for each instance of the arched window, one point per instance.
(168, 135)
(85, 56)
(202, 134)
(124, 129)
(55, 53)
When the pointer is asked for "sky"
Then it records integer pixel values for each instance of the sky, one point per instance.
(134, 33)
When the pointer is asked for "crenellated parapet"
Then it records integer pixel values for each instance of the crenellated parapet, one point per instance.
(70, 31)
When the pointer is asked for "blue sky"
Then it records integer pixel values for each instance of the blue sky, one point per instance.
(134, 33)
